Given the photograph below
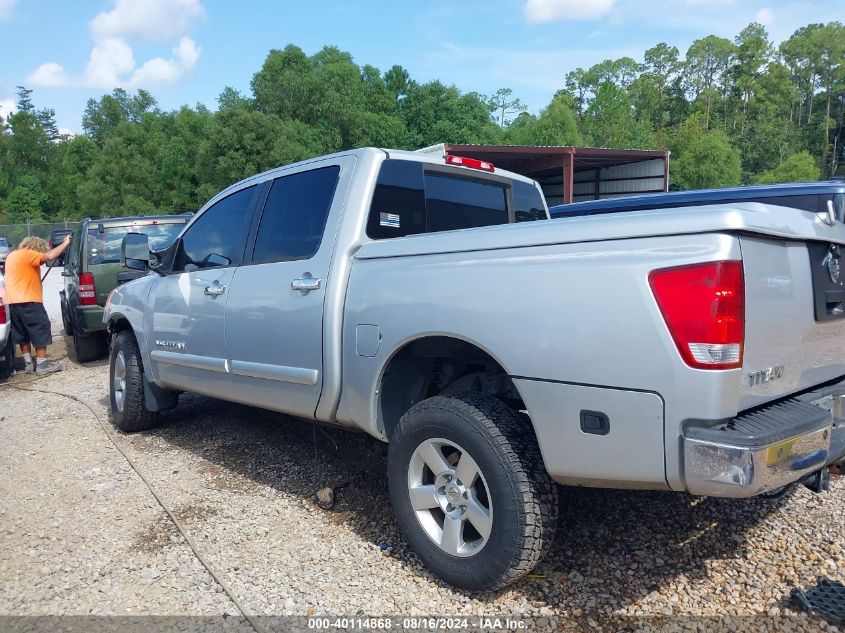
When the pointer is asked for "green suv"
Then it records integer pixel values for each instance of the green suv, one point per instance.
(93, 269)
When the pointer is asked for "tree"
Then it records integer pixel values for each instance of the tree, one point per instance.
(398, 81)
(26, 202)
(752, 53)
(329, 92)
(503, 105)
(706, 70)
(708, 161)
(556, 125)
(232, 99)
(651, 91)
(797, 168)
(101, 118)
(436, 113)
(25, 100)
(609, 120)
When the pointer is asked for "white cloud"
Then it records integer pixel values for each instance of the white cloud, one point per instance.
(159, 70)
(152, 20)
(765, 16)
(7, 107)
(6, 7)
(49, 74)
(554, 10)
(112, 60)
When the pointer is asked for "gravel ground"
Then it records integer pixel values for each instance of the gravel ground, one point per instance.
(80, 533)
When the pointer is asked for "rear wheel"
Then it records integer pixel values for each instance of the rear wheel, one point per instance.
(126, 380)
(89, 347)
(66, 322)
(470, 491)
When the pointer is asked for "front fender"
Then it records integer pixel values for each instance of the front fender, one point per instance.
(129, 304)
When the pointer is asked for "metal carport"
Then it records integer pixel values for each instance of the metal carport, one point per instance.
(572, 174)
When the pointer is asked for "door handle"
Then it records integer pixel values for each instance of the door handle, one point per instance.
(306, 284)
(215, 289)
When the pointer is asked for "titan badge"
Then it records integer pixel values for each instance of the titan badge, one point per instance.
(765, 375)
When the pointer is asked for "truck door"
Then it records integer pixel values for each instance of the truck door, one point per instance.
(274, 317)
(188, 306)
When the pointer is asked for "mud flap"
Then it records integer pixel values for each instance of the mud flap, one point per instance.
(158, 399)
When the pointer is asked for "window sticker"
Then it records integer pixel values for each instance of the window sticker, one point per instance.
(389, 219)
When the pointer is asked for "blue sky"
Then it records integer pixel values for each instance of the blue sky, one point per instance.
(186, 51)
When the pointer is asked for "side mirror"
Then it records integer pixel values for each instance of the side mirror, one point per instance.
(135, 251)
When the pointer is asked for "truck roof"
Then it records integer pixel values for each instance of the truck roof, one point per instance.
(400, 154)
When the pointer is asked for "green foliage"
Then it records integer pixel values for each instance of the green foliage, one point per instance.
(25, 202)
(708, 161)
(730, 111)
(556, 125)
(436, 113)
(799, 167)
(609, 120)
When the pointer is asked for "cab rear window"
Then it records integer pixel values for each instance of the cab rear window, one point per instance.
(103, 245)
(408, 200)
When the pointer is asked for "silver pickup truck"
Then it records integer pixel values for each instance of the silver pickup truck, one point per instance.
(413, 297)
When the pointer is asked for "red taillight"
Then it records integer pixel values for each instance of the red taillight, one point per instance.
(704, 308)
(87, 290)
(4, 318)
(472, 163)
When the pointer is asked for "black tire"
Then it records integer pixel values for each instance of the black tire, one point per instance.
(133, 416)
(67, 324)
(89, 347)
(523, 498)
(7, 360)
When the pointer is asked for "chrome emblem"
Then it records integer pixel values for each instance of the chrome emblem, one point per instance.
(171, 344)
(831, 262)
(765, 375)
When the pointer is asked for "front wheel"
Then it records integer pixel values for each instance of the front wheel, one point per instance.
(470, 492)
(126, 379)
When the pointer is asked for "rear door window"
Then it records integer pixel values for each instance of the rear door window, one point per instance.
(295, 215)
(398, 207)
(408, 200)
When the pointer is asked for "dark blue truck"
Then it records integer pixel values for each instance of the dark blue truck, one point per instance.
(827, 197)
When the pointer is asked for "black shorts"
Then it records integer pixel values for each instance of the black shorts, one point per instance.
(30, 324)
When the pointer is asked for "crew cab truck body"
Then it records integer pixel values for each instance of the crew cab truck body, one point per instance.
(668, 350)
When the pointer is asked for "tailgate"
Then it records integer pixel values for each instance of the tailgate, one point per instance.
(795, 316)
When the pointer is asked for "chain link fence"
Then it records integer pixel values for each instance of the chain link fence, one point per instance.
(14, 233)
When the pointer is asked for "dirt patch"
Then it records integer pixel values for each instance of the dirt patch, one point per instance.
(189, 513)
(160, 533)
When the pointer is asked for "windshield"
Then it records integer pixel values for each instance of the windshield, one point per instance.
(839, 206)
(3, 242)
(104, 246)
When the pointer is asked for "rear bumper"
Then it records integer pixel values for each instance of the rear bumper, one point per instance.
(89, 319)
(763, 450)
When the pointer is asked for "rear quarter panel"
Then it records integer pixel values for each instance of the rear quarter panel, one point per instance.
(577, 314)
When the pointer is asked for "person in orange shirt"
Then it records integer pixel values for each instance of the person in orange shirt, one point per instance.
(24, 294)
